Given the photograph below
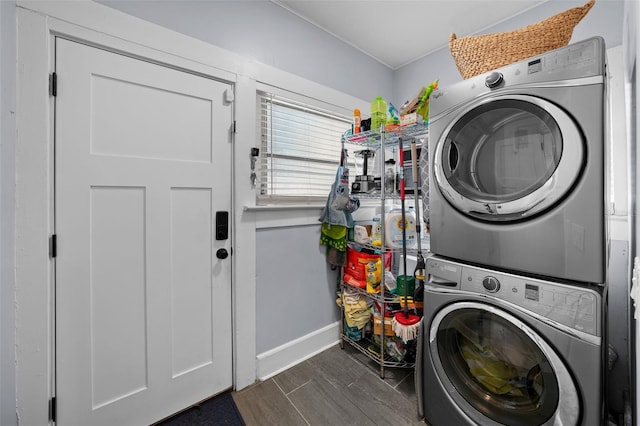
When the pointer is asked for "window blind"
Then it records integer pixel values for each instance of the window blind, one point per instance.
(299, 150)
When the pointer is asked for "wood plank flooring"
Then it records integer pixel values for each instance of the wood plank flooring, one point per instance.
(335, 387)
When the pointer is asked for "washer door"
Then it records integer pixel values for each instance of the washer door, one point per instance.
(508, 157)
(498, 370)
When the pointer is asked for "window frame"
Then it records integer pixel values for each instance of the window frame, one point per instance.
(304, 105)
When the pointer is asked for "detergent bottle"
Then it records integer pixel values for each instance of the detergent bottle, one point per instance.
(373, 269)
(376, 231)
(378, 114)
(394, 225)
(357, 121)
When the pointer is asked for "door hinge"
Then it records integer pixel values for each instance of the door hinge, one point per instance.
(234, 126)
(229, 96)
(53, 84)
(53, 246)
(52, 409)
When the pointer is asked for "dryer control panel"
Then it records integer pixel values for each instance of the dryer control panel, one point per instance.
(576, 307)
(584, 59)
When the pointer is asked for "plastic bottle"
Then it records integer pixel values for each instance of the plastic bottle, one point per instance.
(378, 114)
(374, 275)
(376, 231)
(357, 120)
(390, 176)
(394, 225)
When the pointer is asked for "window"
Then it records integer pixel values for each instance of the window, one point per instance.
(299, 150)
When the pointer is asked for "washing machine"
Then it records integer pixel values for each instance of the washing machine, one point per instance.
(518, 166)
(502, 349)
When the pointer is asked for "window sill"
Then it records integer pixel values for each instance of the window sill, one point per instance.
(289, 215)
(284, 216)
(283, 207)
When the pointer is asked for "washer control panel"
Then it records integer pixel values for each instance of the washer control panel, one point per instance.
(574, 306)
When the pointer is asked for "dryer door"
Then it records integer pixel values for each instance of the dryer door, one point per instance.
(508, 157)
(498, 370)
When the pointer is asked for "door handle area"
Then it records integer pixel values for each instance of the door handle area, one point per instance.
(222, 253)
(222, 225)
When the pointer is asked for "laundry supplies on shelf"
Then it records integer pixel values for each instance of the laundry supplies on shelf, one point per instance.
(394, 226)
(378, 114)
(364, 270)
(372, 260)
(357, 313)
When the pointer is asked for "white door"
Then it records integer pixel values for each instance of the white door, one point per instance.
(143, 304)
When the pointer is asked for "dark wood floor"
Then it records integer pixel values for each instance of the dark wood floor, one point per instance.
(335, 387)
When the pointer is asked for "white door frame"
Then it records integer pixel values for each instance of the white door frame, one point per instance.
(37, 25)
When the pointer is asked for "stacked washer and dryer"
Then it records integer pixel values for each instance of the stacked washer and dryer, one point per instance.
(514, 306)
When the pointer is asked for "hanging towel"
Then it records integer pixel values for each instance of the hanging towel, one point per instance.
(336, 218)
(339, 205)
(334, 236)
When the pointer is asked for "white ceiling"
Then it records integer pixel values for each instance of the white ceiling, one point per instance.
(398, 32)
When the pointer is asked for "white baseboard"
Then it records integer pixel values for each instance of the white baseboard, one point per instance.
(294, 352)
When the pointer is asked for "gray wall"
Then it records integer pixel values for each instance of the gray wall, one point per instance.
(7, 211)
(266, 32)
(296, 290)
(604, 19)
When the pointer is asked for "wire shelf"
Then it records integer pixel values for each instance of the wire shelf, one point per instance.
(411, 251)
(391, 136)
(364, 345)
(380, 298)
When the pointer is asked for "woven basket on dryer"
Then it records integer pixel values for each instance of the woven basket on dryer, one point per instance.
(475, 55)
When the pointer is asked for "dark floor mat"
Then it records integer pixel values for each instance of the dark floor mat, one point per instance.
(219, 410)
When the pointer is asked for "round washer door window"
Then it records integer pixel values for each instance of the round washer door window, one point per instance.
(508, 158)
(497, 369)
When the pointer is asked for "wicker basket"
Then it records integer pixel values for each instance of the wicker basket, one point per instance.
(478, 54)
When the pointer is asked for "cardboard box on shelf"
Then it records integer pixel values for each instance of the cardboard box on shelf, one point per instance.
(388, 329)
(409, 119)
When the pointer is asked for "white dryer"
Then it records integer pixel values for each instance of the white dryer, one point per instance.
(518, 166)
(502, 349)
